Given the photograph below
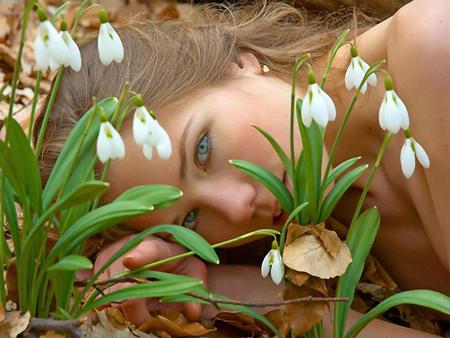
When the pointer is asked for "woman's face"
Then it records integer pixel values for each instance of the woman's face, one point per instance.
(219, 201)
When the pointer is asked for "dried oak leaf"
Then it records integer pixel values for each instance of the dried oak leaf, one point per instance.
(175, 324)
(296, 277)
(302, 316)
(308, 254)
(14, 324)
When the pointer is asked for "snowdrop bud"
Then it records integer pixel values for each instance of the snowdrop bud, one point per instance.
(273, 263)
(109, 143)
(74, 52)
(49, 47)
(317, 105)
(110, 46)
(393, 113)
(356, 72)
(407, 159)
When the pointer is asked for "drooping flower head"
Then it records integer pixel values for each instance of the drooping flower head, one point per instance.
(393, 114)
(74, 52)
(110, 46)
(109, 142)
(49, 47)
(410, 150)
(317, 105)
(273, 263)
(148, 133)
(356, 71)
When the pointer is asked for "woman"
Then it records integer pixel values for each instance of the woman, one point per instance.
(206, 84)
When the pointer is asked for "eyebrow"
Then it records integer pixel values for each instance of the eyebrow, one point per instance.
(184, 137)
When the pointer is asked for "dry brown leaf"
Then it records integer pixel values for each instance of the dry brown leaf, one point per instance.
(276, 317)
(296, 277)
(308, 254)
(302, 316)
(175, 324)
(329, 238)
(239, 320)
(2, 312)
(14, 324)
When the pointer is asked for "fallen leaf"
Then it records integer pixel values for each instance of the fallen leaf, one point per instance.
(296, 277)
(2, 312)
(302, 316)
(308, 254)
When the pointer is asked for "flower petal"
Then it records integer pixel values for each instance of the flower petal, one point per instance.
(349, 77)
(74, 52)
(117, 45)
(103, 144)
(407, 159)
(265, 266)
(372, 80)
(381, 113)
(392, 115)
(319, 109)
(306, 109)
(57, 49)
(105, 46)
(330, 105)
(141, 125)
(277, 272)
(164, 147)
(147, 151)
(421, 155)
(403, 111)
(117, 145)
(40, 53)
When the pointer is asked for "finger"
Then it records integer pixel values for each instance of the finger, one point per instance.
(151, 250)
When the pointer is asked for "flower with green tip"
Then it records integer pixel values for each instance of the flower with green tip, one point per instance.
(49, 46)
(393, 114)
(74, 52)
(410, 150)
(317, 105)
(273, 263)
(110, 46)
(109, 142)
(356, 71)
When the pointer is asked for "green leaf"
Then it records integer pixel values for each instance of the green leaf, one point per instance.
(360, 243)
(302, 188)
(269, 180)
(183, 299)
(85, 192)
(338, 191)
(289, 219)
(280, 152)
(159, 196)
(67, 155)
(11, 216)
(145, 290)
(71, 263)
(94, 222)
(7, 165)
(24, 163)
(427, 298)
(339, 170)
(58, 12)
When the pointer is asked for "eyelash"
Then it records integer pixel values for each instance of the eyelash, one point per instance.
(204, 136)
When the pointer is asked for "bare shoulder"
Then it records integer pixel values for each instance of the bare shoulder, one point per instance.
(418, 54)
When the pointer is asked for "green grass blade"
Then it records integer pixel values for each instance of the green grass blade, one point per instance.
(280, 152)
(71, 263)
(427, 298)
(338, 191)
(360, 243)
(339, 170)
(269, 180)
(158, 196)
(11, 216)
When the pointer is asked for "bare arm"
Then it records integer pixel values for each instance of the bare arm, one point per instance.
(243, 282)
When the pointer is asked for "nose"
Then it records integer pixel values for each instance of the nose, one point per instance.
(230, 198)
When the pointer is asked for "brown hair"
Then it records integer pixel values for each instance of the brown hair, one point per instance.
(167, 61)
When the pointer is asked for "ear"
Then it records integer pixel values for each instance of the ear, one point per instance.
(247, 64)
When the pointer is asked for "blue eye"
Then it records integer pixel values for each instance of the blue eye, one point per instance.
(203, 150)
(190, 219)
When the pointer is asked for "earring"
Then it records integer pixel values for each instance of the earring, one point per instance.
(265, 69)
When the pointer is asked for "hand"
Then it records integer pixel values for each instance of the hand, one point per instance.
(152, 249)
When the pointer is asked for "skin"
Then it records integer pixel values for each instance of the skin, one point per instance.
(413, 241)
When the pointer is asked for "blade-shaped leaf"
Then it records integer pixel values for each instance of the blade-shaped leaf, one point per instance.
(25, 164)
(269, 180)
(280, 152)
(339, 170)
(11, 216)
(159, 196)
(71, 263)
(85, 192)
(427, 298)
(338, 191)
(360, 243)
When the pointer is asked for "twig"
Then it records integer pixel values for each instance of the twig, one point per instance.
(80, 283)
(308, 299)
(71, 326)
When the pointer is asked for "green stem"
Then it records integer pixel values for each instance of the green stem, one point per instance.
(2, 242)
(338, 44)
(17, 65)
(386, 140)
(33, 106)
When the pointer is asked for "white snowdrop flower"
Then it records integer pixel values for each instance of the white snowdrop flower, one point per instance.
(393, 114)
(148, 133)
(273, 263)
(109, 142)
(74, 60)
(110, 46)
(49, 45)
(317, 105)
(356, 71)
(411, 149)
